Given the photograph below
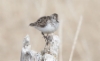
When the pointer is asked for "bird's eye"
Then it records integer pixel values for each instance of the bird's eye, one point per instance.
(55, 15)
(39, 20)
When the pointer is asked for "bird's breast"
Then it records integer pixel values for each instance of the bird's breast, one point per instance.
(49, 28)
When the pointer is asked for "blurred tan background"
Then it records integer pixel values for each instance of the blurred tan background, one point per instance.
(16, 15)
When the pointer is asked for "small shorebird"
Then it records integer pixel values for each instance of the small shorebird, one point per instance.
(46, 24)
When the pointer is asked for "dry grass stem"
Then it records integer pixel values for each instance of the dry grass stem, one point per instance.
(75, 39)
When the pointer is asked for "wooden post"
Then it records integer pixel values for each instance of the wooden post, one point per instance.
(50, 52)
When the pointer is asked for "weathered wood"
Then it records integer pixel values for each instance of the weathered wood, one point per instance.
(49, 53)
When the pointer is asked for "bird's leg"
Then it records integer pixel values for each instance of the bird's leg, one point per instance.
(47, 40)
(44, 36)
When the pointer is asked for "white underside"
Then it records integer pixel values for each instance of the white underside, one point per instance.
(49, 28)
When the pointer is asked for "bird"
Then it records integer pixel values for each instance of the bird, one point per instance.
(46, 24)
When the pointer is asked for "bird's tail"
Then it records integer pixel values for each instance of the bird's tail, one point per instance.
(32, 24)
